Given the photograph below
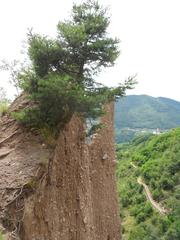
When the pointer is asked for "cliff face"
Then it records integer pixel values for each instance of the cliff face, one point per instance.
(68, 193)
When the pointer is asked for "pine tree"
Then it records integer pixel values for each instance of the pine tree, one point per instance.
(61, 78)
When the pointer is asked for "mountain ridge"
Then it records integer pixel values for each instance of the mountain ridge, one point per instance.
(145, 112)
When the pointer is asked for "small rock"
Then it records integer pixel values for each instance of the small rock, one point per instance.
(105, 157)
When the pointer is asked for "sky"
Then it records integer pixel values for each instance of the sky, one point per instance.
(148, 31)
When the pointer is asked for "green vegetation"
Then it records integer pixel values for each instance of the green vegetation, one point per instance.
(3, 107)
(136, 113)
(4, 102)
(124, 135)
(60, 79)
(158, 161)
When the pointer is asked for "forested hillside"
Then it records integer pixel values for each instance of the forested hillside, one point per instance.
(155, 162)
(137, 112)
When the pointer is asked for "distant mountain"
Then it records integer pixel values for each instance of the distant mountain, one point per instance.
(144, 112)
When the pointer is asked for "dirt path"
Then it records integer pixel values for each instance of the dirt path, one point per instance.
(134, 165)
(149, 197)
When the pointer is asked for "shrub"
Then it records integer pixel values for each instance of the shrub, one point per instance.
(157, 194)
(166, 183)
(140, 217)
(4, 106)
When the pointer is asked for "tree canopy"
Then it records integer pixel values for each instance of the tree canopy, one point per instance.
(157, 161)
(61, 77)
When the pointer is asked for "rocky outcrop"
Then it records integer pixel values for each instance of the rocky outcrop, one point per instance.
(67, 192)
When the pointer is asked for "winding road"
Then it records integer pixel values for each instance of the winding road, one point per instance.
(149, 197)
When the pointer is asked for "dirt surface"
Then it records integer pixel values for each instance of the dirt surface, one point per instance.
(77, 200)
(68, 193)
(21, 155)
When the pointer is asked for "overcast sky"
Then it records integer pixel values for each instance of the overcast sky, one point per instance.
(148, 30)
